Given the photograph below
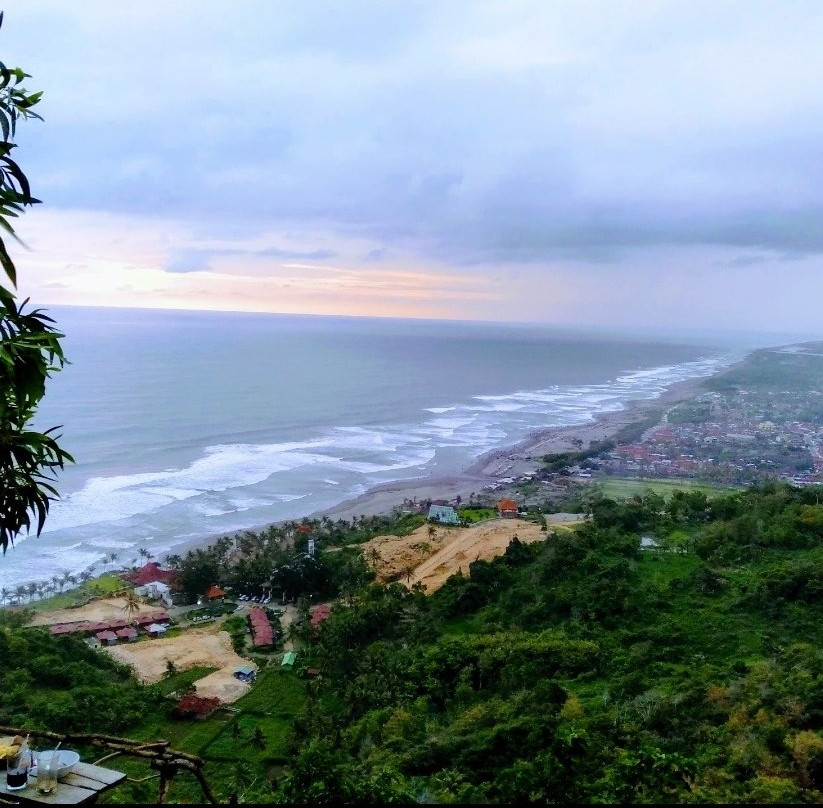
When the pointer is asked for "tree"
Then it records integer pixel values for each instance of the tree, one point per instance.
(258, 739)
(132, 605)
(30, 350)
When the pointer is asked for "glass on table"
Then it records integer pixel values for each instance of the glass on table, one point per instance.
(17, 769)
(48, 765)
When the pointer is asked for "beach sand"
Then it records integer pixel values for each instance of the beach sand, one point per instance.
(486, 473)
(509, 462)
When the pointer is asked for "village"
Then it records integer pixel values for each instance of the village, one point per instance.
(736, 439)
(149, 626)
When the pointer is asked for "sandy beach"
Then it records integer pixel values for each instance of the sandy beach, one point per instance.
(511, 461)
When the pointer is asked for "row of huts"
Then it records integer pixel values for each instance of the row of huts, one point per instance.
(110, 632)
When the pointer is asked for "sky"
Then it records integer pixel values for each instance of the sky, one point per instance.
(618, 163)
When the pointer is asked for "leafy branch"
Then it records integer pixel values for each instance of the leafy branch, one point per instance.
(30, 349)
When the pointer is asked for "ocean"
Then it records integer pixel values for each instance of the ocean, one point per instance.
(186, 425)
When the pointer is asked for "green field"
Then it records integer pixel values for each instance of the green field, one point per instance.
(623, 488)
(225, 740)
(85, 593)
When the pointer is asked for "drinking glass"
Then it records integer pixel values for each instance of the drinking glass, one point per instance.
(17, 770)
(47, 765)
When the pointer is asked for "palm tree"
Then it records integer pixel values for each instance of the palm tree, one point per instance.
(258, 739)
(5, 594)
(132, 605)
(112, 557)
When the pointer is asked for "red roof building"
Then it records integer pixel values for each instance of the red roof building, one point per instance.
(149, 573)
(261, 631)
(304, 529)
(507, 507)
(107, 637)
(70, 628)
(129, 633)
(214, 592)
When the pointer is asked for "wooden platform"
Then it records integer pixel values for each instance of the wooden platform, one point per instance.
(81, 785)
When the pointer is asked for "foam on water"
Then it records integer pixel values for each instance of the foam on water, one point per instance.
(233, 486)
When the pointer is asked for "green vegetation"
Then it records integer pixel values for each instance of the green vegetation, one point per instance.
(30, 349)
(472, 514)
(584, 669)
(623, 488)
(580, 669)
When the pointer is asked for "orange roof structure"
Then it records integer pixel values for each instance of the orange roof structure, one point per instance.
(214, 591)
(507, 505)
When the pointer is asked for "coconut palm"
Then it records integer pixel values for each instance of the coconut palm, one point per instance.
(132, 605)
(5, 594)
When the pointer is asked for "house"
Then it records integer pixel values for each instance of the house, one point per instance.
(156, 590)
(288, 660)
(196, 707)
(507, 508)
(444, 514)
(128, 633)
(245, 673)
(150, 573)
(214, 592)
(156, 630)
(106, 637)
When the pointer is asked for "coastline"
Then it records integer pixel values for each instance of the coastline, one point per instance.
(496, 465)
(511, 461)
(490, 472)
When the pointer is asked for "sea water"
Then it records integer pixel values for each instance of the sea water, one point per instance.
(191, 424)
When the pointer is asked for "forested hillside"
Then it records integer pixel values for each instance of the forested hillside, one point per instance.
(669, 650)
(587, 669)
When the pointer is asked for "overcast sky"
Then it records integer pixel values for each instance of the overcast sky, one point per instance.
(608, 162)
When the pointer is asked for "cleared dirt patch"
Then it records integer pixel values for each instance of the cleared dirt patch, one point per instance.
(197, 647)
(97, 611)
(430, 559)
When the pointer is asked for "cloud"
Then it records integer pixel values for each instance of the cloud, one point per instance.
(189, 261)
(467, 136)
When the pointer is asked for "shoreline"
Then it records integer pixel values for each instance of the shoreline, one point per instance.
(493, 466)
(489, 472)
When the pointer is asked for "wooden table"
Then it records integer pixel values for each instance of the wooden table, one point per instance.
(83, 784)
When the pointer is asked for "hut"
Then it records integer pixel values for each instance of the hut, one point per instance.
(106, 637)
(288, 660)
(129, 633)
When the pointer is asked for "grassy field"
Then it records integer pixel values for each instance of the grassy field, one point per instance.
(622, 488)
(95, 588)
(474, 514)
